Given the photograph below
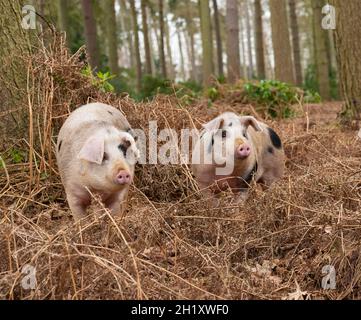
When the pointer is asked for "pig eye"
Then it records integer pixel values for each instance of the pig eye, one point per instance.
(123, 149)
(224, 134)
(245, 134)
(105, 157)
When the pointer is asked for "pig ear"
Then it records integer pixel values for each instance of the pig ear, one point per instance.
(93, 150)
(250, 121)
(215, 124)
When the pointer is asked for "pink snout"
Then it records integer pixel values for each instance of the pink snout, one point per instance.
(123, 177)
(243, 151)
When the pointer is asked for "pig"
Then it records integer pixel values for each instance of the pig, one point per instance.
(255, 150)
(96, 154)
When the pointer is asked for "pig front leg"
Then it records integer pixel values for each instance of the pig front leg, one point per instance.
(78, 205)
(117, 203)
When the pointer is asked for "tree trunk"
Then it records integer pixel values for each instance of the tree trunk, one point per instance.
(111, 34)
(281, 41)
(258, 26)
(190, 32)
(207, 44)
(63, 18)
(233, 55)
(136, 45)
(321, 56)
(126, 28)
(152, 46)
(15, 45)
(243, 44)
(90, 33)
(217, 28)
(163, 65)
(182, 65)
(295, 42)
(249, 39)
(348, 50)
(170, 65)
(148, 57)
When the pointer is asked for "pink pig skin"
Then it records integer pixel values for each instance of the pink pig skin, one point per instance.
(96, 152)
(256, 149)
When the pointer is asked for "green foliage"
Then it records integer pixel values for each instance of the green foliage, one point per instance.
(100, 80)
(334, 84)
(212, 93)
(311, 82)
(311, 97)
(14, 155)
(191, 85)
(17, 156)
(151, 86)
(275, 95)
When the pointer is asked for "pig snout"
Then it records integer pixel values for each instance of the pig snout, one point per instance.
(123, 177)
(243, 151)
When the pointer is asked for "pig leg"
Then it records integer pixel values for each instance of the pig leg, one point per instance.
(117, 203)
(78, 206)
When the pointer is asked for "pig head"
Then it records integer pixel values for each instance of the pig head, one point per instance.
(96, 154)
(248, 149)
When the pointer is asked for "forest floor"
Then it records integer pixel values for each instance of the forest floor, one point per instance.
(172, 244)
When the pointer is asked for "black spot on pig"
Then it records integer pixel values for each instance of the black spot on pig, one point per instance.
(211, 145)
(275, 139)
(270, 150)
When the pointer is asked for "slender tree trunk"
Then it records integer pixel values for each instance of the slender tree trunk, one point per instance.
(182, 66)
(348, 49)
(217, 28)
(63, 18)
(249, 39)
(151, 42)
(170, 64)
(190, 32)
(322, 62)
(90, 33)
(136, 45)
(111, 34)
(163, 65)
(295, 42)
(333, 62)
(207, 44)
(281, 41)
(126, 28)
(243, 45)
(258, 26)
(148, 58)
(233, 55)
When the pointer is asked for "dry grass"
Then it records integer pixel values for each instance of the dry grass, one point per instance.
(173, 243)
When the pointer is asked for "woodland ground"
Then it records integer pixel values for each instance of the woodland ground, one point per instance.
(172, 243)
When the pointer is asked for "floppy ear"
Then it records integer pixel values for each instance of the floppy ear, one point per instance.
(215, 124)
(247, 121)
(93, 149)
